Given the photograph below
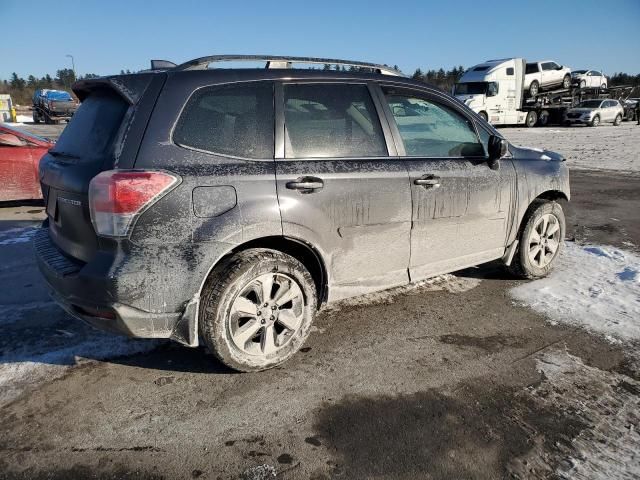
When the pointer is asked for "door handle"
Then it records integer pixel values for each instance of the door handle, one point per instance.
(428, 181)
(306, 184)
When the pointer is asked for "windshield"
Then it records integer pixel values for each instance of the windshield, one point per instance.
(590, 104)
(471, 88)
(578, 72)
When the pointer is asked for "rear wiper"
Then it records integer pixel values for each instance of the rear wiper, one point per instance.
(55, 153)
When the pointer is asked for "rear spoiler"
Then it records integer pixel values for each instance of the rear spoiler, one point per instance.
(129, 87)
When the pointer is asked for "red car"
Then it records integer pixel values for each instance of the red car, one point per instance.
(20, 154)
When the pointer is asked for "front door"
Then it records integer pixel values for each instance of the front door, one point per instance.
(461, 207)
(338, 187)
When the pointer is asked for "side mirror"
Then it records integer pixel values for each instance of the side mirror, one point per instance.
(498, 148)
(11, 140)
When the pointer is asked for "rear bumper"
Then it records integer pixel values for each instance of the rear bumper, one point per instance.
(88, 294)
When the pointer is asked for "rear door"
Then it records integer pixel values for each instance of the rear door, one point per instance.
(548, 74)
(461, 207)
(340, 185)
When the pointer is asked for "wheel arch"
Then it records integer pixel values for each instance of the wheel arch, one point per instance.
(546, 196)
(298, 249)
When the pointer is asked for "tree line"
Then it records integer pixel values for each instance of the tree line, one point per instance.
(21, 89)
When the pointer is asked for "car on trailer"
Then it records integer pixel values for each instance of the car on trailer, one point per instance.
(226, 205)
(589, 78)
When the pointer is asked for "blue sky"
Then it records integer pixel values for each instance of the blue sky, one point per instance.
(108, 35)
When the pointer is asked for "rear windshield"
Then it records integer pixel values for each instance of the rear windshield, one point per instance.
(531, 68)
(57, 96)
(92, 130)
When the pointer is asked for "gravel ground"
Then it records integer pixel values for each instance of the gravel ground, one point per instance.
(453, 379)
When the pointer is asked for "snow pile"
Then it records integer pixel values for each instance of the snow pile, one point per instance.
(595, 287)
(24, 118)
(17, 235)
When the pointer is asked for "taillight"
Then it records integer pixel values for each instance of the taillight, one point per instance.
(118, 197)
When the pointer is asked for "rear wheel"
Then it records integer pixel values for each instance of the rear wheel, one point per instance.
(566, 81)
(532, 119)
(534, 88)
(603, 86)
(36, 117)
(543, 120)
(618, 120)
(596, 121)
(540, 240)
(257, 309)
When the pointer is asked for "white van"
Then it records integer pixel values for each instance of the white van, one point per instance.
(495, 90)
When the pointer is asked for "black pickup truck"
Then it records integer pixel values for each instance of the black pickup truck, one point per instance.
(51, 106)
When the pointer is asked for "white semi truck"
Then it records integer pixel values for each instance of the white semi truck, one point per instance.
(496, 91)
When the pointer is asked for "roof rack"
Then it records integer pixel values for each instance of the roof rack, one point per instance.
(277, 61)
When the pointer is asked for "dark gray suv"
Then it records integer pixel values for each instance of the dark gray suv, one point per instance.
(228, 204)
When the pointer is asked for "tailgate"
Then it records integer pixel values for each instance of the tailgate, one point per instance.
(92, 142)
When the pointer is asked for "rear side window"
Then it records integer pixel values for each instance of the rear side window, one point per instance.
(90, 134)
(429, 129)
(532, 68)
(235, 120)
(331, 120)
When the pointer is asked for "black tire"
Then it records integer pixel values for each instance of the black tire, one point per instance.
(521, 265)
(484, 116)
(36, 117)
(225, 285)
(566, 81)
(47, 119)
(534, 88)
(595, 122)
(532, 119)
(618, 120)
(543, 119)
(603, 86)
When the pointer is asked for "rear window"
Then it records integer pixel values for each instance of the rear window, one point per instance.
(90, 134)
(235, 120)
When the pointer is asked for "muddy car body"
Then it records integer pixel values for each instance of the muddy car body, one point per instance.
(230, 204)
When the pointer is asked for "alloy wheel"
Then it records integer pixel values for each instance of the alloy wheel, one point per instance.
(544, 240)
(265, 314)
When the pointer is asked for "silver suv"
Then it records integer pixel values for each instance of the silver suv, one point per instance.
(595, 112)
(228, 205)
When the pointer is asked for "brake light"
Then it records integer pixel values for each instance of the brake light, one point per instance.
(118, 197)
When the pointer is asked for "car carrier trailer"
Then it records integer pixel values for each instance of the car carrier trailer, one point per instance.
(495, 90)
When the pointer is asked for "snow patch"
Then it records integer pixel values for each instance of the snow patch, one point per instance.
(609, 403)
(595, 287)
(32, 366)
(13, 236)
(450, 283)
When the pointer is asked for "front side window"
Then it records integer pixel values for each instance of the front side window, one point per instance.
(547, 66)
(331, 120)
(235, 120)
(430, 129)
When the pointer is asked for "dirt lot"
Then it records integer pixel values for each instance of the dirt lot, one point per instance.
(454, 379)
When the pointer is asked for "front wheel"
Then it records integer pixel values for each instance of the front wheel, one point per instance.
(596, 121)
(618, 120)
(257, 309)
(540, 241)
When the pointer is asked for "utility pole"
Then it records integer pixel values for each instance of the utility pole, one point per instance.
(73, 66)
